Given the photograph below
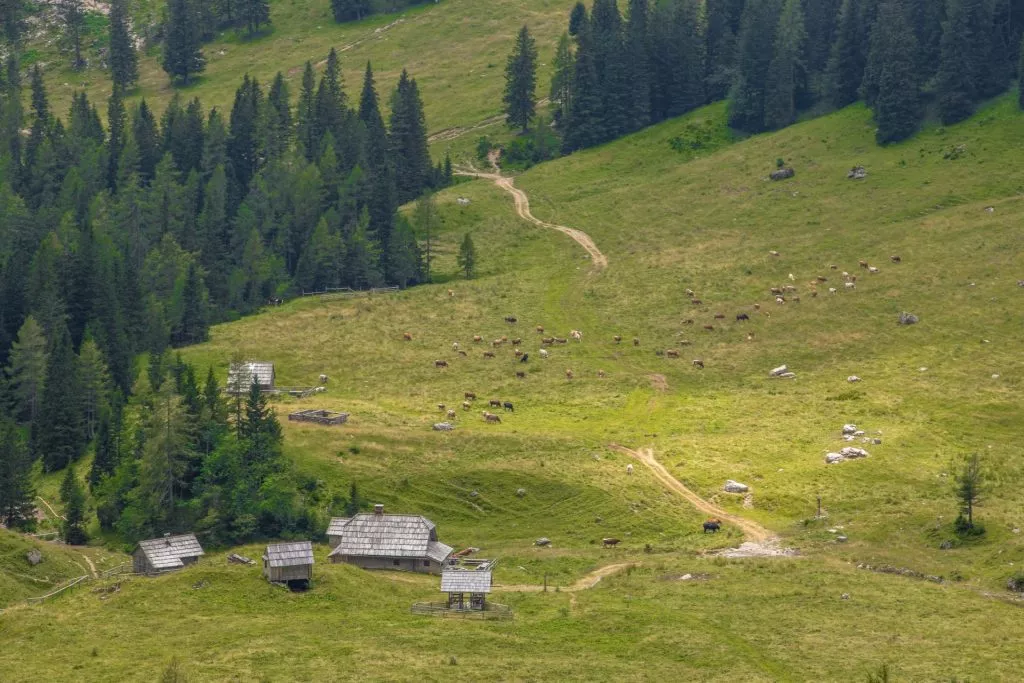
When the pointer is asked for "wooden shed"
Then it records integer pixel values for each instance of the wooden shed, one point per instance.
(379, 541)
(290, 563)
(242, 374)
(467, 587)
(165, 554)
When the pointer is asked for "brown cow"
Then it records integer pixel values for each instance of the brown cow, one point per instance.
(494, 403)
(609, 542)
(672, 353)
(520, 374)
(696, 302)
(895, 259)
(469, 396)
(709, 328)
(719, 316)
(862, 264)
(568, 374)
(517, 342)
(617, 339)
(488, 354)
(407, 336)
(540, 329)
(698, 363)
(440, 363)
(491, 417)
(477, 338)
(636, 341)
(548, 340)
(466, 405)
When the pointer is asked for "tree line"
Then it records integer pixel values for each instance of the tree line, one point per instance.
(772, 60)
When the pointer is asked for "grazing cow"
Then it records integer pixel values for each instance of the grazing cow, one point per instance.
(488, 354)
(560, 340)
(511, 319)
(469, 396)
(509, 408)
(609, 542)
(832, 290)
(822, 278)
(789, 288)
(544, 353)
(323, 379)
(636, 341)
(851, 285)
(696, 302)
(792, 278)
(689, 292)
(780, 300)
(547, 340)
(773, 252)
(462, 353)
(776, 290)
(525, 358)
(520, 374)
(872, 270)
(712, 526)
(814, 295)
(833, 267)
(441, 407)
(600, 373)
(568, 374)
(496, 343)
(617, 339)
(672, 353)
(440, 363)
(863, 264)
(629, 468)
(685, 342)
(466, 405)
(407, 336)
(688, 321)
(742, 316)
(451, 414)
(477, 338)
(576, 335)
(451, 293)
(455, 346)
(698, 363)
(709, 328)
(495, 403)
(795, 299)
(719, 316)
(540, 329)
(517, 342)
(491, 417)
(517, 353)
(895, 259)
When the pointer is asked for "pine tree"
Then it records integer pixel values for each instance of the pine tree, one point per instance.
(12, 21)
(27, 369)
(124, 63)
(146, 136)
(1020, 74)
(846, 61)
(164, 457)
(17, 509)
(786, 73)
(410, 153)
(73, 498)
(305, 115)
(754, 54)
(686, 89)
(260, 430)
(584, 126)
(997, 50)
(612, 69)
(72, 15)
(108, 441)
(577, 19)
(256, 13)
(183, 55)
(362, 257)
(637, 47)
(244, 143)
(117, 121)
(467, 257)
(561, 81)
(521, 82)
(962, 64)
(720, 48)
(378, 164)
(94, 380)
(350, 10)
(404, 258)
(898, 105)
(428, 222)
(279, 118)
(57, 433)
(192, 328)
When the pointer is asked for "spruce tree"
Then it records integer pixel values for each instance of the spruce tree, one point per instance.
(244, 142)
(12, 21)
(754, 54)
(720, 49)
(279, 118)
(183, 55)
(124, 63)
(846, 61)
(428, 222)
(786, 73)
(686, 91)
(117, 122)
(94, 380)
(561, 80)
(378, 164)
(584, 126)
(404, 257)
(577, 19)
(898, 105)
(1020, 75)
(637, 47)
(27, 369)
(146, 136)
(192, 327)
(17, 509)
(610, 62)
(305, 115)
(73, 498)
(467, 257)
(410, 152)
(521, 82)
(962, 64)
(108, 441)
(256, 13)
(58, 436)
(72, 15)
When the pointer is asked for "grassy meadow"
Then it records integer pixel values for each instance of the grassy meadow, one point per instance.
(948, 202)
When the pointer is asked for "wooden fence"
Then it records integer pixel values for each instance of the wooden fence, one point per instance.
(336, 293)
(441, 609)
(73, 584)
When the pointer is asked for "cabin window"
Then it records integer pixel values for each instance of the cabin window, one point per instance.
(396, 562)
(426, 563)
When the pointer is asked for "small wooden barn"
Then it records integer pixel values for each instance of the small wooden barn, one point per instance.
(165, 554)
(467, 588)
(379, 541)
(242, 374)
(290, 563)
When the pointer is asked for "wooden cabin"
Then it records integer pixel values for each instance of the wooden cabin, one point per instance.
(379, 541)
(467, 587)
(158, 555)
(242, 374)
(290, 563)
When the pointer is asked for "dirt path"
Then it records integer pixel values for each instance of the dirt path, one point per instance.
(50, 508)
(92, 567)
(458, 131)
(522, 204)
(753, 531)
(586, 582)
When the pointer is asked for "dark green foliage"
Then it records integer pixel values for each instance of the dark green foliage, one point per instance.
(109, 440)
(963, 64)
(787, 75)
(124, 63)
(846, 61)
(540, 144)
(969, 481)
(73, 497)
(12, 20)
(350, 10)
(410, 153)
(147, 141)
(898, 104)
(720, 49)
(637, 48)
(17, 507)
(521, 82)
(355, 502)
(577, 18)
(467, 257)
(72, 15)
(584, 127)
(278, 118)
(1020, 70)
(58, 434)
(754, 55)
(561, 80)
(183, 55)
(255, 13)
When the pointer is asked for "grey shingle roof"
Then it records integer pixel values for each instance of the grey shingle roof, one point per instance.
(466, 581)
(380, 535)
(241, 374)
(289, 554)
(337, 524)
(166, 552)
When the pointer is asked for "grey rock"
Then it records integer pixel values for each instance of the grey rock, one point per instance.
(849, 428)
(857, 173)
(34, 557)
(782, 174)
(908, 318)
(779, 371)
(520, 492)
(841, 539)
(542, 541)
(946, 545)
(853, 452)
(735, 487)
(444, 427)
(832, 458)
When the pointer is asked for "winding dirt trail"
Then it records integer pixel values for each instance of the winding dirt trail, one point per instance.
(50, 508)
(449, 134)
(753, 531)
(522, 204)
(586, 582)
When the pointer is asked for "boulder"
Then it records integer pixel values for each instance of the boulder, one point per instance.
(832, 458)
(876, 441)
(849, 428)
(787, 375)
(34, 557)
(853, 378)
(908, 318)
(782, 174)
(857, 173)
(841, 539)
(779, 371)
(542, 541)
(520, 492)
(853, 452)
(849, 437)
(444, 427)
(735, 487)
(859, 432)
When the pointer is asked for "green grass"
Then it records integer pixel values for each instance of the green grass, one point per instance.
(705, 219)
(19, 579)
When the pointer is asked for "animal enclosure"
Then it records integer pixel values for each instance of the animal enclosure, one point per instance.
(322, 417)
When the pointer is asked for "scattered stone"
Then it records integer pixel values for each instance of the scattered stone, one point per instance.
(782, 174)
(876, 441)
(990, 209)
(779, 371)
(946, 545)
(686, 577)
(520, 492)
(788, 375)
(474, 494)
(849, 428)
(833, 458)
(853, 452)
(908, 318)
(922, 369)
(845, 596)
(996, 376)
(444, 427)
(859, 432)
(841, 539)
(735, 487)
(857, 173)
(853, 378)
(462, 201)
(902, 571)
(34, 557)
(542, 541)
(770, 548)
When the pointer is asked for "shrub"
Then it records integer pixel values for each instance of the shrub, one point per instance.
(1016, 582)
(483, 148)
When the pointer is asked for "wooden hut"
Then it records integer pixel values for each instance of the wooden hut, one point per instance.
(467, 588)
(165, 554)
(242, 374)
(379, 541)
(290, 563)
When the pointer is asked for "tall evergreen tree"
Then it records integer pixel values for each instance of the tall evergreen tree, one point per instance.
(787, 71)
(637, 47)
(244, 144)
(561, 80)
(584, 126)
(278, 118)
(754, 54)
(521, 82)
(256, 13)
(720, 48)
(12, 21)
(898, 105)
(428, 222)
(117, 121)
(467, 257)
(577, 19)
(73, 498)
(961, 75)
(1020, 74)
(95, 384)
(124, 63)
(410, 153)
(378, 164)
(183, 54)
(27, 369)
(72, 14)
(305, 115)
(57, 433)
(17, 508)
(146, 136)
(846, 61)
(610, 62)
(108, 441)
